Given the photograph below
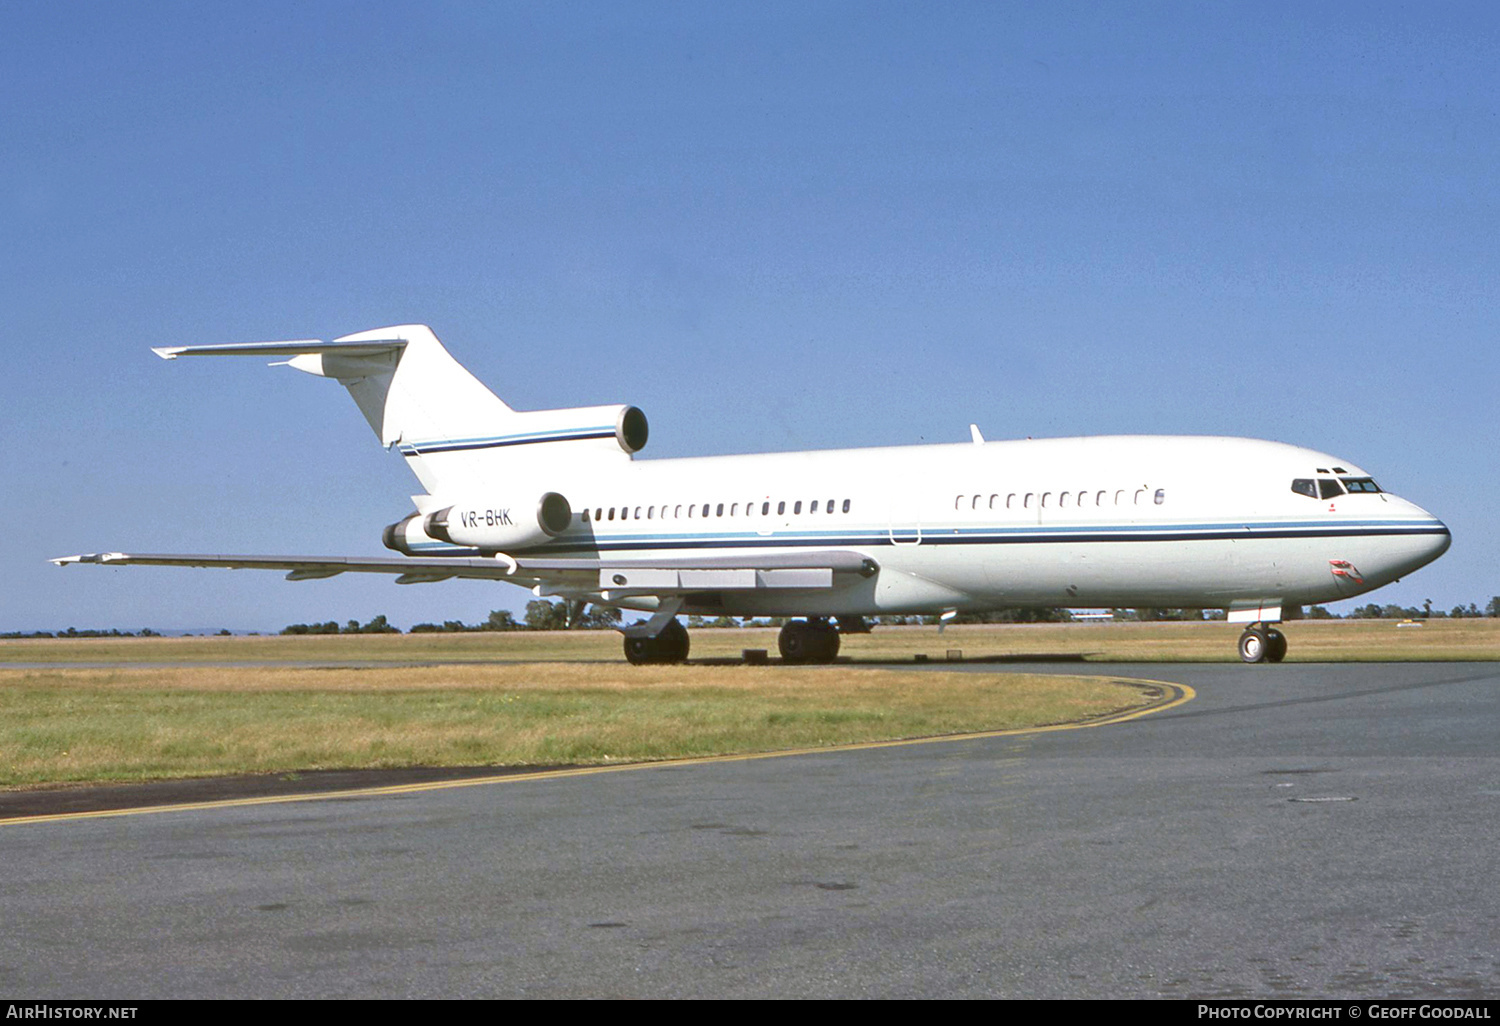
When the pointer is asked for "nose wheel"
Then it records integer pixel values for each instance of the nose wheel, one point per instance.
(1262, 644)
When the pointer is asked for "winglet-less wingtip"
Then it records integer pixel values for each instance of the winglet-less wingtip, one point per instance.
(89, 557)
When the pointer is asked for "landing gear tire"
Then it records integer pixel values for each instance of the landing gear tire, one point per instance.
(1275, 645)
(670, 646)
(673, 643)
(808, 641)
(1254, 645)
(640, 651)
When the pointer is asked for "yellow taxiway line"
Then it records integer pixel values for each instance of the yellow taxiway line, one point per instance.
(1176, 694)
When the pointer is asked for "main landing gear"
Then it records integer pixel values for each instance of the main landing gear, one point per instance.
(813, 640)
(670, 646)
(1262, 643)
(808, 641)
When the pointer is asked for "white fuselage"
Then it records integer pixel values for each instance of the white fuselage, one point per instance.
(1070, 522)
(555, 500)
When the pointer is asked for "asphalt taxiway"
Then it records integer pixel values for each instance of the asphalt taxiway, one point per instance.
(1294, 831)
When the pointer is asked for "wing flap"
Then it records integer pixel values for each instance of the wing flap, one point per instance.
(618, 581)
(837, 560)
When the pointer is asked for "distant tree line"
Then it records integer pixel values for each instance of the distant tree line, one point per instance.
(74, 632)
(542, 615)
(378, 625)
(1425, 611)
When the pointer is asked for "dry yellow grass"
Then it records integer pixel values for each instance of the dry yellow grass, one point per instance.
(1203, 641)
(1186, 641)
(61, 724)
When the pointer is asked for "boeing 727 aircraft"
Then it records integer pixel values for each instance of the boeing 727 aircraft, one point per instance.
(555, 501)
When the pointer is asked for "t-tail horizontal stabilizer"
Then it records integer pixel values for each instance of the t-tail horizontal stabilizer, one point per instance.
(453, 431)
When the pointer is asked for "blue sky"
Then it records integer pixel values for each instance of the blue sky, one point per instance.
(771, 226)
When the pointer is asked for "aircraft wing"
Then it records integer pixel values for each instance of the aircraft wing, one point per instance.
(617, 578)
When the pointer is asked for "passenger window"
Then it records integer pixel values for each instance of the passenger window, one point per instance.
(1139, 494)
(734, 510)
(1099, 499)
(1161, 496)
(1045, 497)
(1329, 488)
(797, 507)
(719, 511)
(585, 516)
(1120, 497)
(846, 505)
(611, 512)
(638, 512)
(677, 512)
(1062, 500)
(691, 507)
(705, 510)
(599, 513)
(1305, 486)
(1010, 500)
(1029, 497)
(958, 502)
(781, 509)
(765, 509)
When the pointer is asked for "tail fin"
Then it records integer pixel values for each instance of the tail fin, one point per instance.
(453, 431)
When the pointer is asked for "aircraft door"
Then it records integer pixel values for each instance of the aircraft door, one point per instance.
(905, 522)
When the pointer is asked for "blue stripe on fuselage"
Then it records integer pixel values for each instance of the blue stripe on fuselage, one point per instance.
(497, 441)
(996, 536)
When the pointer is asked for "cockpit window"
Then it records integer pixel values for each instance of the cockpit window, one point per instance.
(1305, 486)
(1328, 488)
(1360, 484)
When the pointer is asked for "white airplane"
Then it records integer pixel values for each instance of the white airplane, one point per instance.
(554, 500)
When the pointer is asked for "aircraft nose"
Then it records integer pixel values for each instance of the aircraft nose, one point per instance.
(1431, 540)
(1440, 540)
(1412, 538)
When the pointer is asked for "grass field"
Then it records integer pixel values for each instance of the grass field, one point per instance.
(1204, 641)
(176, 707)
(61, 725)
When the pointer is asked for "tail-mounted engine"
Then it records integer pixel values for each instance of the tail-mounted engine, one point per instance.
(493, 524)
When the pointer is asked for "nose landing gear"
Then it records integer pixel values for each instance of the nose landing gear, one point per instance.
(1262, 643)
